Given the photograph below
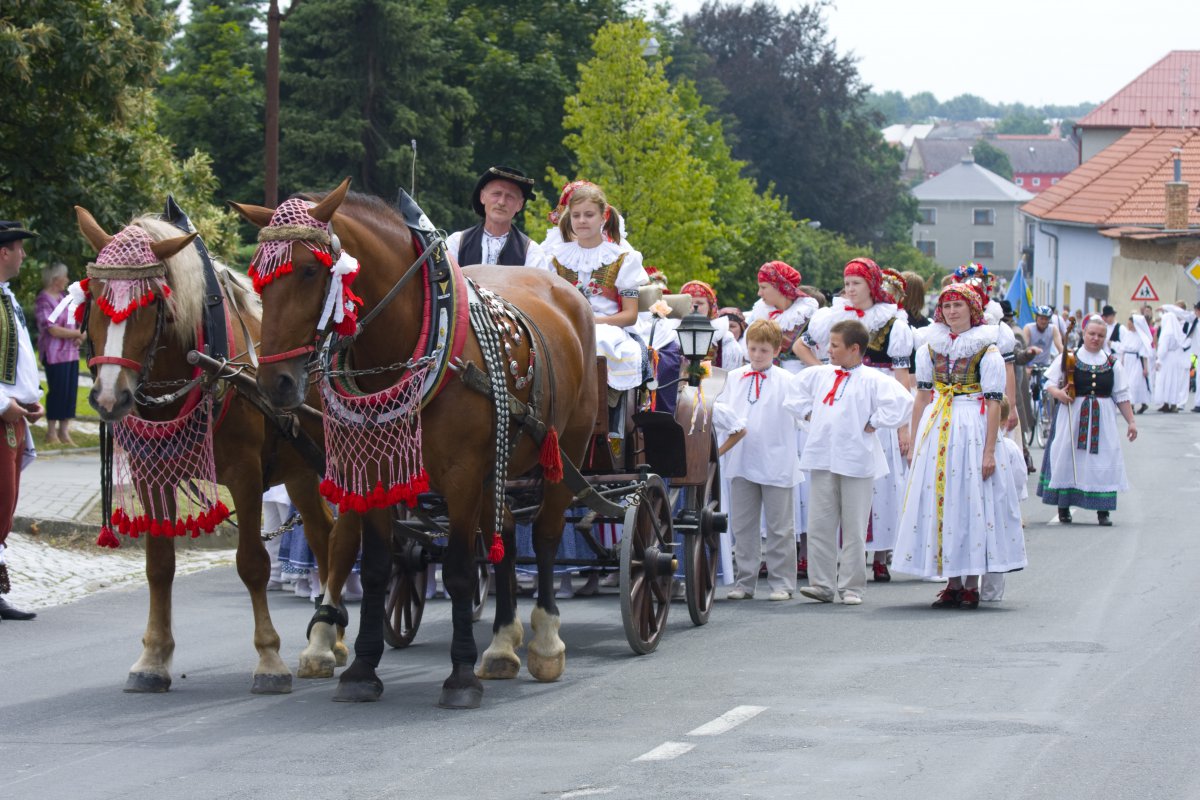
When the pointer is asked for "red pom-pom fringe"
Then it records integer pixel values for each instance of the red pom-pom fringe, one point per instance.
(134, 527)
(379, 497)
(323, 257)
(496, 551)
(262, 281)
(550, 458)
(107, 538)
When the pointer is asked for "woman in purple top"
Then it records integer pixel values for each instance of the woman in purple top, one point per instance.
(58, 346)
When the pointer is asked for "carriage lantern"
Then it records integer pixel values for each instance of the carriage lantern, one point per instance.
(695, 334)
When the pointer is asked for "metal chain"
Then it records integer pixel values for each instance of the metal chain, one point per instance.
(486, 333)
(289, 524)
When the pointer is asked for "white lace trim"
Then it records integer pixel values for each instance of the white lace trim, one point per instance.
(585, 259)
(792, 317)
(965, 345)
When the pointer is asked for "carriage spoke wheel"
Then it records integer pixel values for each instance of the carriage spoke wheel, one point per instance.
(404, 604)
(701, 550)
(483, 576)
(647, 566)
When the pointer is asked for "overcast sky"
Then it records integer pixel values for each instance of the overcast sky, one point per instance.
(1032, 51)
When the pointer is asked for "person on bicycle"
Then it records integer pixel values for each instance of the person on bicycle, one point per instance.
(1042, 336)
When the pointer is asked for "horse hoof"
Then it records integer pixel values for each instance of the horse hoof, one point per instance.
(547, 668)
(272, 684)
(461, 697)
(341, 654)
(358, 691)
(498, 667)
(316, 666)
(147, 682)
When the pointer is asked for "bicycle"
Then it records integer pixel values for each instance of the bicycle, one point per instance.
(1043, 408)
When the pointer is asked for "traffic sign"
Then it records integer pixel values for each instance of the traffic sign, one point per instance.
(1144, 290)
(1193, 271)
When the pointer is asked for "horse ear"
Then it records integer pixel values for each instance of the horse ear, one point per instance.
(169, 247)
(255, 215)
(323, 210)
(91, 229)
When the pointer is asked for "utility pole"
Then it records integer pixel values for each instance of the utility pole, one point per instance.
(271, 149)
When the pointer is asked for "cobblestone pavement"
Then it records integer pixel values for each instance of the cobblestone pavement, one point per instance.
(52, 572)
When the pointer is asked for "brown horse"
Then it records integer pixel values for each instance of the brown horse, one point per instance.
(249, 453)
(458, 431)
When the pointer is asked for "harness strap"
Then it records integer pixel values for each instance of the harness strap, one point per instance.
(293, 353)
(128, 363)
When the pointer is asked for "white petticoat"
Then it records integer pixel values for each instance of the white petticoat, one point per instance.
(624, 356)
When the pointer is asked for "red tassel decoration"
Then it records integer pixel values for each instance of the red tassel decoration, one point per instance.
(550, 457)
(107, 538)
(496, 551)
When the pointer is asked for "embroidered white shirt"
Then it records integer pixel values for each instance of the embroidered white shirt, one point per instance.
(768, 412)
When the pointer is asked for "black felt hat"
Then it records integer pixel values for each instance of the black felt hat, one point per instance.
(501, 174)
(11, 231)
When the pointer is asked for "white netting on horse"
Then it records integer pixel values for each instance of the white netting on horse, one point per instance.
(291, 223)
(373, 446)
(165, 476)
(132, 274)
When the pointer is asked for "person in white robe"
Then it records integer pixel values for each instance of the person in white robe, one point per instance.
(1171, 376)
(1136, 351)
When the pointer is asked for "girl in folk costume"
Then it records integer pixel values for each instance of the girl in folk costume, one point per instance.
(867, 298)
(783, 301)
(950, 525)
(979, 278)
(726, 352)
(1085, 466)
(554, 232)
(592, 259)
(1136, 351)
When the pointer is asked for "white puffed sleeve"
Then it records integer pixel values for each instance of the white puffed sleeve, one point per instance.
(893, 403)
(804, 388)
(792, 401)
(536, 257)
(924, 368)
(452, 243)
(1120, 392)
(1055, 372)
(816, 335)
(1006, 341)
(632, 275)
(726, 420)
(900, 344)
(992, 377)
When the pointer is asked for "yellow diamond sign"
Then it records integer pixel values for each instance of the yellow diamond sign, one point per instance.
(1193, 271)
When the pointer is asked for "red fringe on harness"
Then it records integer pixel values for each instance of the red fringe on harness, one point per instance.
(107, 538)
(134, 527)
(496, 551)
(379, 497)
(551, 458)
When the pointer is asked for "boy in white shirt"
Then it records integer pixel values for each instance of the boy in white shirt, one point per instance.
(845, 403)
(755, 414)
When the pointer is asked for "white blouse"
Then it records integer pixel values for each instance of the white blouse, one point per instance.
(992, 377)
(768, 410)
(585, 262)
(900, 341)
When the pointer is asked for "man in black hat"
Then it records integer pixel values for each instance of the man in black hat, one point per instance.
(500, 194)
(1109, 315)
(20, 393)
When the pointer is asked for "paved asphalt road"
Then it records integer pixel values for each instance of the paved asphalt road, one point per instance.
(1082, 684)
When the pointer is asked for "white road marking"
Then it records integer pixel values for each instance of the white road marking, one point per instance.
(587, 791)
(727, 721)
(1053, 520)
(666, 751)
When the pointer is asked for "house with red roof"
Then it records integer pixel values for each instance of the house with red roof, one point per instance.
(1167, 95)
(1121, 228)
(1038, 162)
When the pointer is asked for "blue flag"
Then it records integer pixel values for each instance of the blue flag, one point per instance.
(1020, 298)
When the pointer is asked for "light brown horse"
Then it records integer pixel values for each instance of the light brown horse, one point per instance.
(250, 454)
(458, 432)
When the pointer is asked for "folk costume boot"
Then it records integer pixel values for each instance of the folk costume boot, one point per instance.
(7, 611)
(969, 599)
(1104, 519)
(1064, 516)
(950, 597)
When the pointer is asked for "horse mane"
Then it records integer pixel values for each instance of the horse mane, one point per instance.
(185, 276)
(383, 211)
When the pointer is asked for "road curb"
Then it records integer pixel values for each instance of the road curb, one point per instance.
(225, 537)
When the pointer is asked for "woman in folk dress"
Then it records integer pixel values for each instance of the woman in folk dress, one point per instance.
(871, 300)
(950, 524)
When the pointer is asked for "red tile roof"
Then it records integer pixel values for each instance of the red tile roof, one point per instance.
(1124, 184)
(1154, 98)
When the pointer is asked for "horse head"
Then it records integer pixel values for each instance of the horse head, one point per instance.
(295, 240)
(126, 291)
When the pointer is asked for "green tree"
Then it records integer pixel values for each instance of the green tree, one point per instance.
(520, 60)
(630, 135)
(360, 80)
(78, 122)
(992, 158)
(212, 97)
(1027, 124)
(891, 106)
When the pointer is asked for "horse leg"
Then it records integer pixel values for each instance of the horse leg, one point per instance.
(547, 652)
(500, 660)
(359, 682)
(335, 558)
(151, 672)
(271, 675)
(462, 689)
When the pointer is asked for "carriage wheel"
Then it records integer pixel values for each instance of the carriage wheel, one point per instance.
(701, 550)
(647, 566)
(483, 580)
(405, 602)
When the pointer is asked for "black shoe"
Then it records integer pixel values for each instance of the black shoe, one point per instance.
(1196, 410)
(1142, 408)
(8, 612)
(1103, 519)
(948, 598)
(1064, 516)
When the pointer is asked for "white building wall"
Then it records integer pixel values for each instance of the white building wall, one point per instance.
(1083, 257)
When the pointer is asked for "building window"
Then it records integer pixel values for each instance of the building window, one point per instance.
(1019, 181)
(928, 248)
(984, 250)
(928, 216)
(985, 216)
(1037, 181)
(1053, 181)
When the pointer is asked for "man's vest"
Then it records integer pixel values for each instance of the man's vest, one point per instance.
(470, 247)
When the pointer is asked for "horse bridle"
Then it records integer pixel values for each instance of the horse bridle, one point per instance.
(143, 369)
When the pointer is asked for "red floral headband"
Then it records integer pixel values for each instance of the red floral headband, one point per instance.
(869, 271)
(783, 277)
(965, 293)
(702, 291)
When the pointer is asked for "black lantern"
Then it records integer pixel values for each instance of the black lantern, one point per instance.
(695, 334)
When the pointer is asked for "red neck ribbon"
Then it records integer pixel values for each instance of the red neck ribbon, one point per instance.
(842, 375)
(759, 377)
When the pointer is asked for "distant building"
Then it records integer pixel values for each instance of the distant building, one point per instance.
(1038, 162)
(969, 213)
(1167, 95)
(1119, 229)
